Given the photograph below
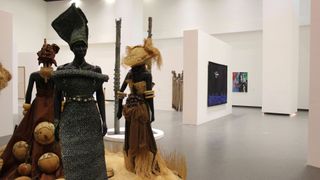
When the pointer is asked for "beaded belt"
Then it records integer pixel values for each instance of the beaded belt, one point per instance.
(80, 99)
(134, 100)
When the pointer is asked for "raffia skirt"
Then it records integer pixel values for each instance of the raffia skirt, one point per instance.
(140, 149)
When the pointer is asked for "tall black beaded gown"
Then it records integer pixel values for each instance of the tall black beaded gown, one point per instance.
(80, 125)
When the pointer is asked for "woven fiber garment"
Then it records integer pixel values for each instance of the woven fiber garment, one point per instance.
(80, 125)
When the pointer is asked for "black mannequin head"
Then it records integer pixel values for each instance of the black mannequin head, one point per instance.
(79, 49)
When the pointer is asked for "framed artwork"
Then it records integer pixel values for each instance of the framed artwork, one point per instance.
(240, 82)
(217, 84)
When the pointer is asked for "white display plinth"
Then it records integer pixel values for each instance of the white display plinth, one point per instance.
(198, 49)
(110, 136)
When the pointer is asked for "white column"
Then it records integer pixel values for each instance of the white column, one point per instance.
(280, 56)
(6, 58)
(314, 106)
(190, 75)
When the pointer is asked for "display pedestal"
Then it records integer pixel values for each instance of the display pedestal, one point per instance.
(200, 48)
(110, 136)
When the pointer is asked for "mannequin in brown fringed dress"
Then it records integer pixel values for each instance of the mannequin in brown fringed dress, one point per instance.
(141, 156)
(41, 110)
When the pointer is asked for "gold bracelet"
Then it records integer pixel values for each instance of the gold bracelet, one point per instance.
(150, 92)
(149, 97)
(121, 95)
(26, 106)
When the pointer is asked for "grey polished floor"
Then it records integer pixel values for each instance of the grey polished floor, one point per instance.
(246, 145)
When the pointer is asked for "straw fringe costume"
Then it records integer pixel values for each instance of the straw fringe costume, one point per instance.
(140, 149)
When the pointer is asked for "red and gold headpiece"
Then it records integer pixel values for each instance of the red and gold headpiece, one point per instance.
(47, 53)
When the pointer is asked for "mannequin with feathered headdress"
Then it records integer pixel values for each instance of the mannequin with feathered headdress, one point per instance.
(140, 149)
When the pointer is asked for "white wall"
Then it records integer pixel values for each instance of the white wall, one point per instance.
(14, 82)
(6, 58)
(29, 23)
(171, 17)
(172, 54)
(314, 114)
(30, 62)
(131, 13)
(199, 49)
(246, 56)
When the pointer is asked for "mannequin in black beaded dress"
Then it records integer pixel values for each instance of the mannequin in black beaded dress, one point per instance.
(82, 124)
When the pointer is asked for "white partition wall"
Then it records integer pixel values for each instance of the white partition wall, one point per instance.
(198, 49)
(280, 56)
(6, 58)
(314, 107)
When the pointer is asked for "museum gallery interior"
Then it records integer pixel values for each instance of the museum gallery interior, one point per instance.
(159, 89)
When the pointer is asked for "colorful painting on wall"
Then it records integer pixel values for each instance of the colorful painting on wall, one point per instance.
(217, 84)
(240, 82)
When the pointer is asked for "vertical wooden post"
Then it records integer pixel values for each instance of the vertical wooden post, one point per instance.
(149, 66)
(117, 76)
(173, 88)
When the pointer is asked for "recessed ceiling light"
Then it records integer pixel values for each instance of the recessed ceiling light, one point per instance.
(148, 1)
(110, 1)
(77, 2)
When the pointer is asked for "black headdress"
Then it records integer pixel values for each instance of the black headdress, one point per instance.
(71, 26)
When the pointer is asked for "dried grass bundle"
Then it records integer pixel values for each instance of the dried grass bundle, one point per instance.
(5, 77)
(176, 162)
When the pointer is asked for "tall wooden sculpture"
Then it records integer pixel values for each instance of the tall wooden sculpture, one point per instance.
(150, 27)
(149, 66)
(117, 76)
(177, 91)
